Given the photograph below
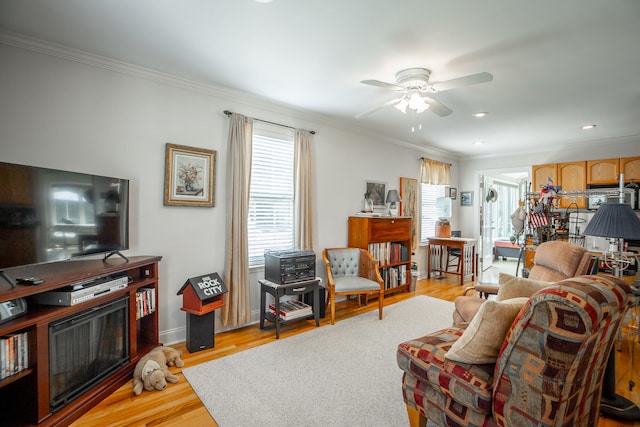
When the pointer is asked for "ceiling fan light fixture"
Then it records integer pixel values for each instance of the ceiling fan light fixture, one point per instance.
(402, 105)
(417, 103)
(416, 81)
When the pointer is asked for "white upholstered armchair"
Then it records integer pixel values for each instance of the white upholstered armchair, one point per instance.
(352, 271)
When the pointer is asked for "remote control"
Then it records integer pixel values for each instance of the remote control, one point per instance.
(29, 280)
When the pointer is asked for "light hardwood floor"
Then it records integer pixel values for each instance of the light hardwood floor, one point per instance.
(178, 405)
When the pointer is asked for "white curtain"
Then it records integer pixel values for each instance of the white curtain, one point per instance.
(237, 304)
(435, 172)
(303, 190)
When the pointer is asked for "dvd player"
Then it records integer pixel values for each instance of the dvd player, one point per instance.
(82, 291)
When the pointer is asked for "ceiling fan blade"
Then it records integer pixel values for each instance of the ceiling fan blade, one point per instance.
(437, 108)
(373, 110)
(382, 84)
(463, 81)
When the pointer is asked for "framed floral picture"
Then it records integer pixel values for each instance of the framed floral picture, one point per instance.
(189, 176)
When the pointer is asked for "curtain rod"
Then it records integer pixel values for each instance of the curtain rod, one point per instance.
(228, 113)
(426, 158)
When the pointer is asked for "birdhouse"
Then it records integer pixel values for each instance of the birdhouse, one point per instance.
(202, 294)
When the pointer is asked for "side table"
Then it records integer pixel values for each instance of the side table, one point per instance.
(277, 291)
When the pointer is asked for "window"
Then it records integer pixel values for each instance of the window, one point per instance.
(271, 207)
(428, 195)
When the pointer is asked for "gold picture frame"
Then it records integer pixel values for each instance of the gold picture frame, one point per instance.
(409, 204)
(189, 176)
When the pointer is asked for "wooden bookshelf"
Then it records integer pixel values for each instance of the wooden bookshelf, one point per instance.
(388, 239)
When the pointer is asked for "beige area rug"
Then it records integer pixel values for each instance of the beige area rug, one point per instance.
(340, 375)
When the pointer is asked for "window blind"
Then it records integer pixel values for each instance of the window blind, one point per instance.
(271, 221)
(428, 195)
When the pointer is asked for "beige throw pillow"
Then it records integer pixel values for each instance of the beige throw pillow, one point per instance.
(483, 338)
(515, 287)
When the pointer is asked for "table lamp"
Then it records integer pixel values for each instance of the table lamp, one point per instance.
(615, 221)
(392, 198)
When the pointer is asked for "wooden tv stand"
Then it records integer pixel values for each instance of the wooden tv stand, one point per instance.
(25, 396)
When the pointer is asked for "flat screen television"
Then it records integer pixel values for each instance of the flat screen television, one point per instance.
(51, 215)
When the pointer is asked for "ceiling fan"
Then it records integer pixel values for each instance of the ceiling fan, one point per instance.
(416, 89)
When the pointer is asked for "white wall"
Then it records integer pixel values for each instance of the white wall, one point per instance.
(66, 114)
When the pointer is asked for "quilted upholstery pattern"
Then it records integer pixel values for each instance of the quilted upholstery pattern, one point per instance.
(549, 371)
(344, 262)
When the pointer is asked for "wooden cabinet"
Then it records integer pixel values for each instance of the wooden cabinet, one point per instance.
(540, 174)
(572, 177)
(630, 167)
(603, 171)
(28, 392)
(389, 240)
(575, 176)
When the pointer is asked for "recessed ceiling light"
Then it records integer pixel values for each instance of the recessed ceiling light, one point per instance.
(585, 127)
(480, 114)
(264, 1)
(478, 142)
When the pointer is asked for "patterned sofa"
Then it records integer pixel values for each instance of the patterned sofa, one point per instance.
(548, 370)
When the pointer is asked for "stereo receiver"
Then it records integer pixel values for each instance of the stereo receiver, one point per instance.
(284, 267)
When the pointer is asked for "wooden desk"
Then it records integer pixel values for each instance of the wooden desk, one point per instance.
(467, 249)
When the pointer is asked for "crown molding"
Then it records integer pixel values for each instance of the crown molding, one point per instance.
(252, 101)
(105, 63)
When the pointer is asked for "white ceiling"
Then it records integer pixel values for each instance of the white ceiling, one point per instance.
(557, 65)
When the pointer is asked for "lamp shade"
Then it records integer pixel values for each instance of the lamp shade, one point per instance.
(615, 220)
(392, 196)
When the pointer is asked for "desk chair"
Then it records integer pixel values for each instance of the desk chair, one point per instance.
(454, 254)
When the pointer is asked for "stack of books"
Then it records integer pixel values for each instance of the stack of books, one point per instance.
(292, 309)
(145, 302)
(389, 252)
(14, 354)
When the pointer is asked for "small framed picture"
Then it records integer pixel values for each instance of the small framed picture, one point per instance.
(453, 193)
(377, 192)
(189, 177)
(466, 198)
